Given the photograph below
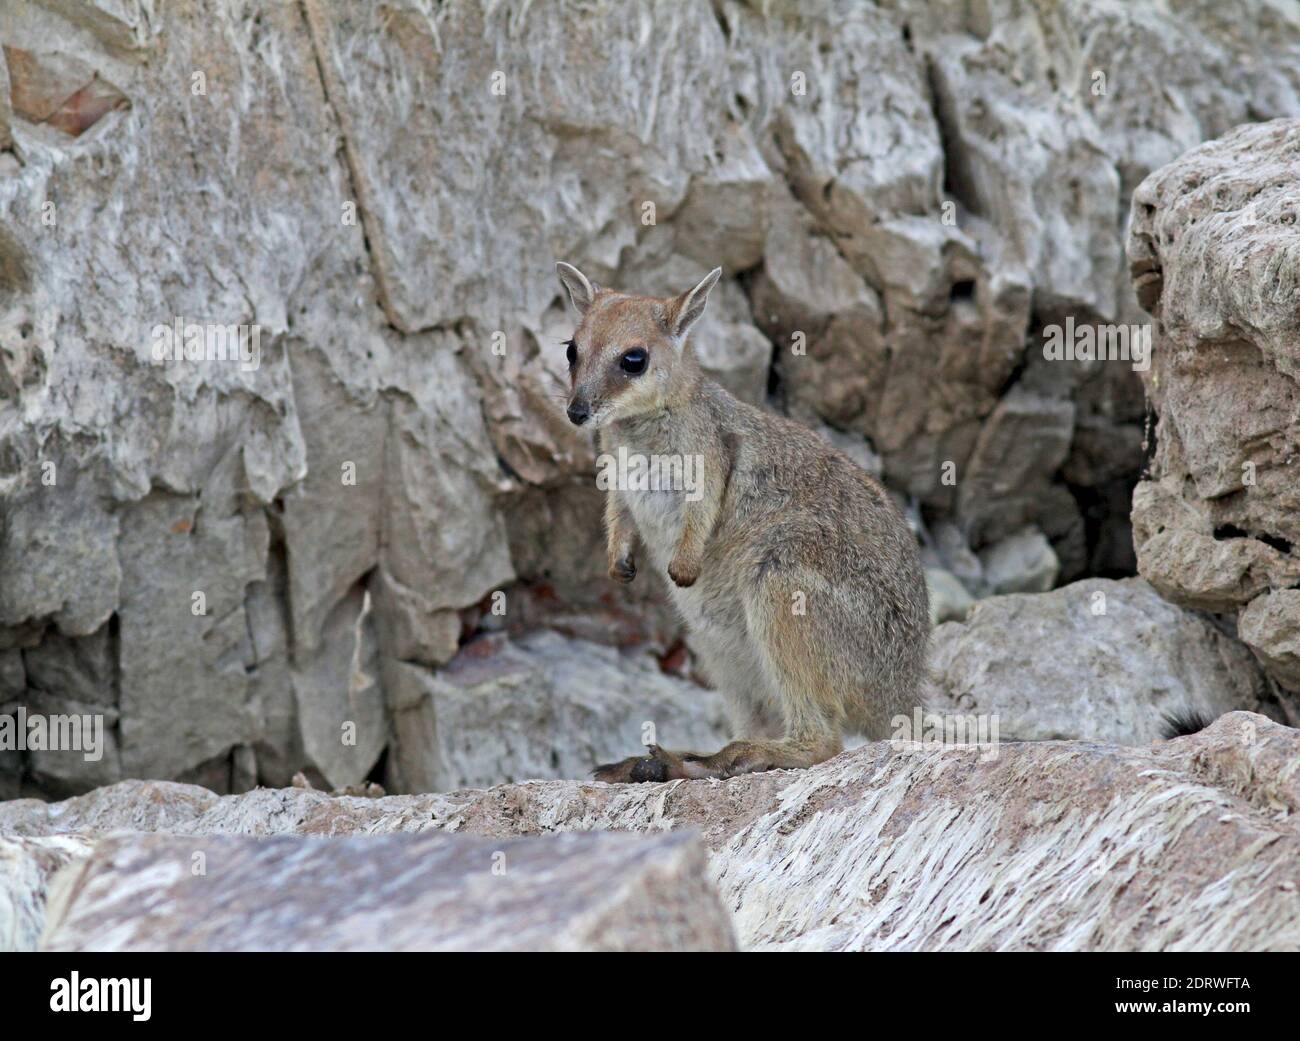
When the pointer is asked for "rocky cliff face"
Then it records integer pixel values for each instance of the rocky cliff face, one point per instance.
(232, 562)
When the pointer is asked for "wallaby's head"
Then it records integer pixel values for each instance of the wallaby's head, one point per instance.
(627, 355)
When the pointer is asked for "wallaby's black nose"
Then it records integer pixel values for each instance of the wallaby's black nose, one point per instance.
(579, 413)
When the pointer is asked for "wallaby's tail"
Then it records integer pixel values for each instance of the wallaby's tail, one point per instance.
(1184, 721)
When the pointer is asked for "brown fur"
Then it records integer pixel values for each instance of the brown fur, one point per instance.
(797, 576)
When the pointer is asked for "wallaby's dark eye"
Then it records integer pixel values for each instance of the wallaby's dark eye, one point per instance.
(634, 361)
(572, 354)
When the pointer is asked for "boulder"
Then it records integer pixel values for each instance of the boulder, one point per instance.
(1097, 660)
(541, 707)
(949, 601)
(1214, 251)
(575, 892)
(27, 866)
(1021, 563)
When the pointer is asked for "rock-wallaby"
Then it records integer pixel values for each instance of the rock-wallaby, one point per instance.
(798, 578)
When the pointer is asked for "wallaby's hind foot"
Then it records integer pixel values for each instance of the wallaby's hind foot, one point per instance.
(747, 757)
(658, 765)
(739, 757)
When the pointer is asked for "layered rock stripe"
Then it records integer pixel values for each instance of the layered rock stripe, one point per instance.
(577, 892)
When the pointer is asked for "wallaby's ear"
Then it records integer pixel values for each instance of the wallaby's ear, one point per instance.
(580, 290)
(688, 307)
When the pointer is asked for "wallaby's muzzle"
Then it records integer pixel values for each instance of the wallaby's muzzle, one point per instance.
(579, 411)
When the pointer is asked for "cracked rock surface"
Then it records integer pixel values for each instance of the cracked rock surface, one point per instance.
(1214, 253)
(575, 892)
(1190, 844)
(1097, 660)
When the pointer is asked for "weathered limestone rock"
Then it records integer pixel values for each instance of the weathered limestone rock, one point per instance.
(159, 476)
(949, 600)
(340, 702)
(578, 892)
(1270, 626)
(1026, 438)
(545, 707)
(1094, 661)
(1185, 845)
(27, 866)
(1214, 253)
(1020, 563)
(1172, 77)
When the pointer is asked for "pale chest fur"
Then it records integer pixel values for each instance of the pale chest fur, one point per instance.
(656, 476)
(679, 454)
(658, 518)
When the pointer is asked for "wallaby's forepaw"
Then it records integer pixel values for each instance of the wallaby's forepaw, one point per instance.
(683, 574)
(659, 765)
(623, 570)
